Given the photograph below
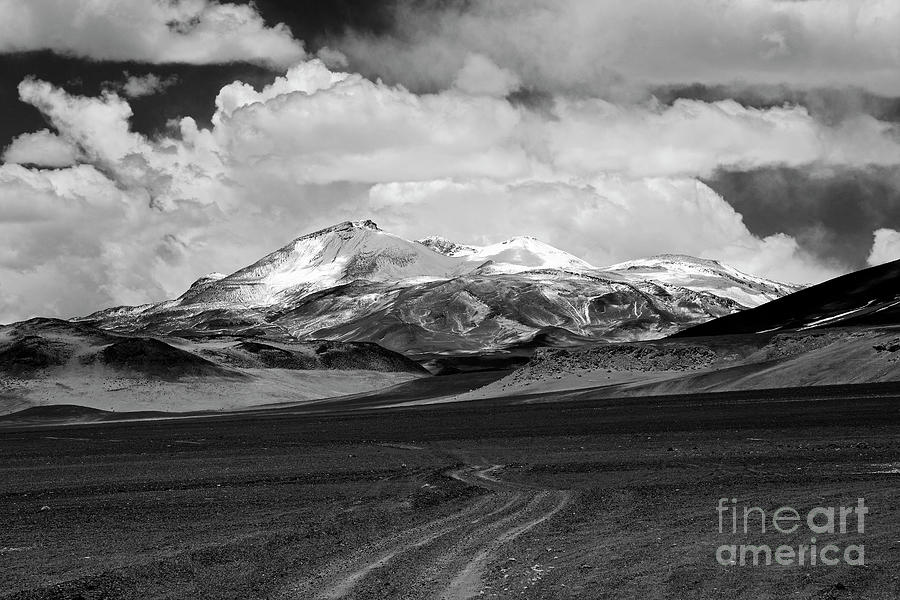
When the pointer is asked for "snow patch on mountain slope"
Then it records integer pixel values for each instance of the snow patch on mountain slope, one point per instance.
(209, 278)
(704, 275)
(445, 246)
(517, 254)
(522, 253)
(349, 251)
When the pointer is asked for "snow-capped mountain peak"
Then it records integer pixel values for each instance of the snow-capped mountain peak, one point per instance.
(343, 226)
(519, 253)
(348, 251)
(353, 281)
(666, 261)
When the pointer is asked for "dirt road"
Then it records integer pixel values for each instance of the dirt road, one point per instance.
(443, 559)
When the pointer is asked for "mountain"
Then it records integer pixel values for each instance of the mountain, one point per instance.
(842, 332)
(864, 298)
(705, 275)
(355, 282)
(514, 255)
(340, 254)
(50, 362)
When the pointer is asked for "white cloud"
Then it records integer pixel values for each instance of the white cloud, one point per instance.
(885, 247)
(63, 248)
(602, 180)
(136, 86)
(612, 48)
(43, 149)
(324, 127)
(75, 240)
(333, 59)
(606, 220)
(99, 125)
(158, 31)
(695, 138)
(777, 257)
(164, 172)
(480, 76)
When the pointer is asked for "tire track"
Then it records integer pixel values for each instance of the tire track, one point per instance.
(340, 577)
(443, 559)
(467, 582)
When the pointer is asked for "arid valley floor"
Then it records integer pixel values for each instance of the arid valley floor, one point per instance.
(547, 497)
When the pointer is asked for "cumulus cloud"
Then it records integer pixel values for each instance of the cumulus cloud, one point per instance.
(324, 127)
(163, 172)
(885, 247)
(61, 249)
(695, 138)
(158, 31)
(136, 86)
(480, 76)
(333, 59)
(605, 220)
(328, 126)
(140, 217)
(76, 240)
(616, 49)
(599, 220)
(43, 149)
(99, 125)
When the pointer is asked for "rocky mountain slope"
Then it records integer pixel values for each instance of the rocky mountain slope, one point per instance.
(355, 282)
(840, 332)
(863, 298)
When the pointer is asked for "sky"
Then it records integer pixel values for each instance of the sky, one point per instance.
(146, 143)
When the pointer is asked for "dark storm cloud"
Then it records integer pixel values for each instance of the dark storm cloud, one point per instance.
(316, 21)
(831, 212)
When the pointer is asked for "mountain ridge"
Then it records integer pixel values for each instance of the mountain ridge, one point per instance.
(355, 282)
(866, 297)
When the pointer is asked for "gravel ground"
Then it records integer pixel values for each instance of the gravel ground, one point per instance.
(581, 499)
